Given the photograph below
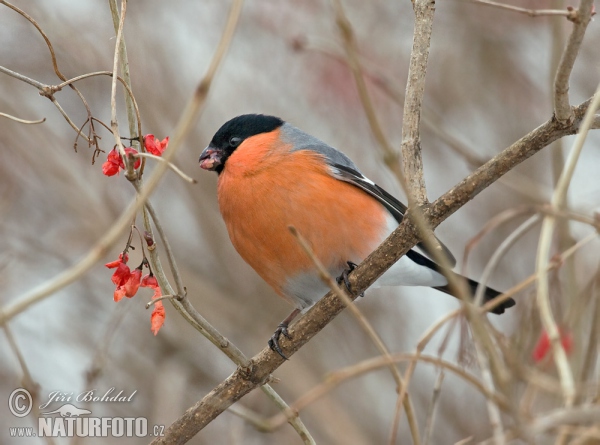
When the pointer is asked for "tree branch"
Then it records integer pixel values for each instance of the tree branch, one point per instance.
(415, 88)
(562, 105)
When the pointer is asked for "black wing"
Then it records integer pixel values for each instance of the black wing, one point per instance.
(395, 207)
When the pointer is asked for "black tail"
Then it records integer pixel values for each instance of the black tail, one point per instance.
(489, 294)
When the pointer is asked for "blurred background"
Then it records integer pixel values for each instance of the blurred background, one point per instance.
(489, 82)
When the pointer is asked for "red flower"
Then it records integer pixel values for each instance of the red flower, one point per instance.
(543, 346)
(154, 146)
(119, 293)
(121, 275)
(114, 163)
(150, 281)
(133, 283)
(133, 151)
(116, 263)
(120, 279)
(127, 282)
(157, 319)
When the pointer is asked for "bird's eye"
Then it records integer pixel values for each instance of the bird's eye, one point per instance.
(234, 141)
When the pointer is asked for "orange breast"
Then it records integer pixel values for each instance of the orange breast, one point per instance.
(264, 189)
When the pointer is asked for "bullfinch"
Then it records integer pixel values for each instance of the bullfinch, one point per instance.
(272, 175)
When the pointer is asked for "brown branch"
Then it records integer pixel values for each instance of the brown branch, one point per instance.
(241, 382)
(415, 88)
(129, 100)
(23, 121)
(562, 105)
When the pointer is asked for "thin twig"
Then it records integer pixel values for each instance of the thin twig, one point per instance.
(562, 105)
(156, 300)
(499, 253)
(30, 19)
(343, 375)
(390, 156)
(569, 14)
(26, 381)
(437, 388)
(23, 121)
(543, 294)
(100, 356)
(129, 97)
(432, 122)
(170, 164)
(114, 125)
(413, 100)
(492, 406)
(366, 326)
(22, 78)
(130, 106)
(579, 414)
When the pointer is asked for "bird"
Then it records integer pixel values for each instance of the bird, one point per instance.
(272, 175)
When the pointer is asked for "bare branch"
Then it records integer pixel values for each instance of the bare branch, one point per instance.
(568, 13)
(114, 125)
(129, 99)
(543, 293)
(23, 121)
(562, 105)
(54, 62)
(22, 78)
(415, 88)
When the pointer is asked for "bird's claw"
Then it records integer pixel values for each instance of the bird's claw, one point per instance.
(282, 329)
(344, 277)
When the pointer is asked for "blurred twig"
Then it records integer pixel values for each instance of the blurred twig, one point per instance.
(368, 328)
(568, 13)
(431, 121)
(543, 297)
(499, 253)
(23, 121)
(343, 375)
(437, 388)
(27, 380)
(172, 166)
(390, 156)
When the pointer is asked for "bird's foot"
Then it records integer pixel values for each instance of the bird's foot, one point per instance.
(343, 278)
(282, 329)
